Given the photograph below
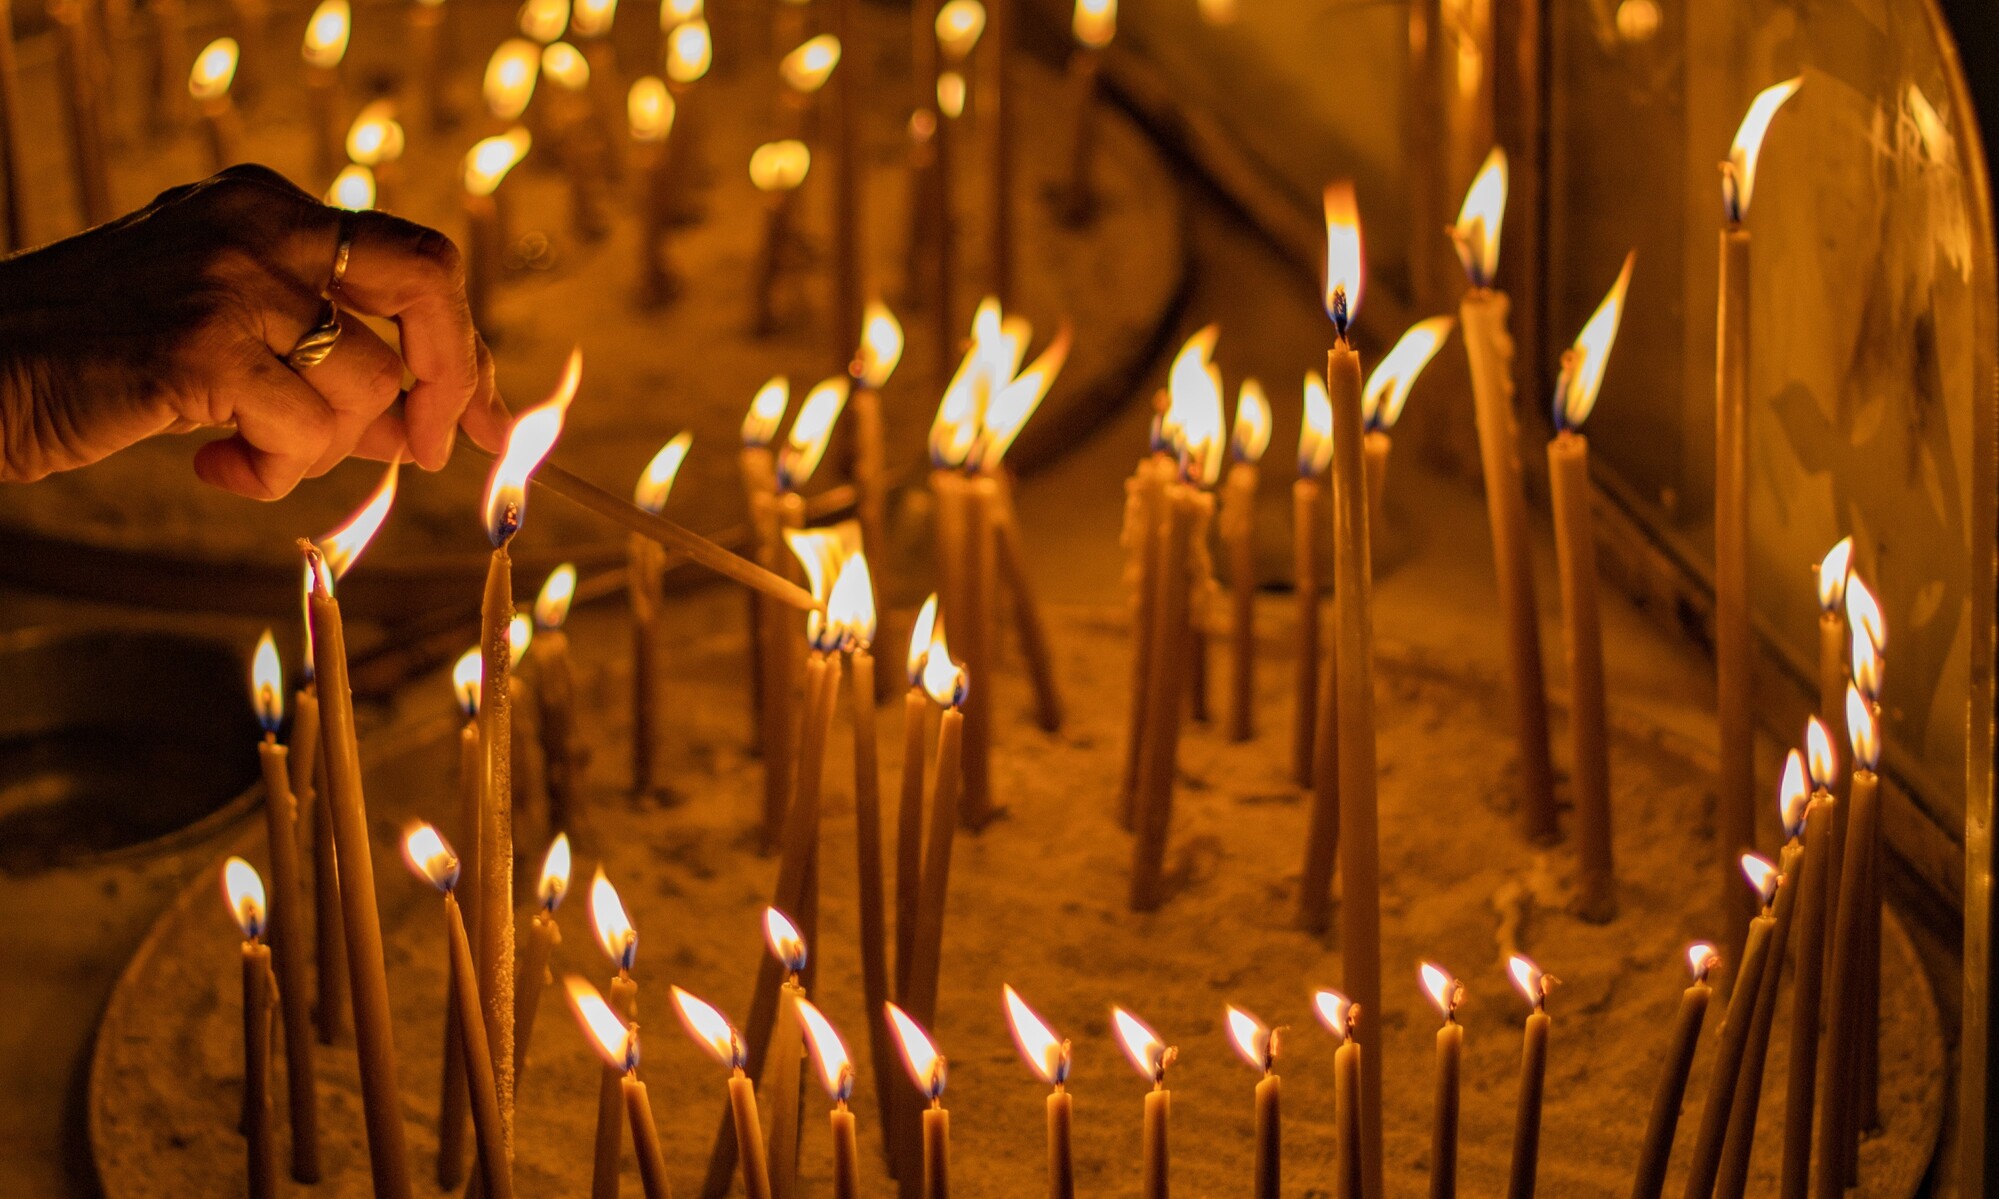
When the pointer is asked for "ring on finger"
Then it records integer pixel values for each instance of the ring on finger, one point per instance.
(343, 249)
(318, 342)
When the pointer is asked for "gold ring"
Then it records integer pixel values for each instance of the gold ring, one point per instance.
(342, 251)
(318, 342)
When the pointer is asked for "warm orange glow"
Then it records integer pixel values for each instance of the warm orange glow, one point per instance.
(1388, 387)
(214, 69)
(489, 160)
(267, 683)
(710, 1029)
(675, 13)
(1738, 174)
(1534, 985)
(820, 552)
(649, 108)
(592, 18)
(1870, 635)
(959, 435)
(615, 934)
(850, 606)
(829, 1052)
(1583, 365)
(353, 188)
(810, 64)
(919, 638)
(944, 681)
(1444, 990)
(786, 943)
(1148, 1055)
(243, 891)
(780, 166)
(430, 856)
(1822, 764)
(1701, 958)
(690, 50)
(959, 25)
(1095, 23)
(554, 881)
(656, 482)
(1344, 269)
(1479, 220)
(1013, 404)
(1253, 1039)
(341, 549)
(1194, 407)
(926, 1066)
(1336, 1012)
(376, 136)
(564, 65)
(520, 631)
(1045, 1053)
(1863, 730)
(1794, 795)
(533, 435)
(466, 676)
(951, 91)
(326, 34)
(1315, 435)
(1250, 436)
(1833, 571)
(1763, 877)
(766, 412)
(551, 606)
(615, 1041)
(510, 78)
(881, 345)
(811, 432)
(544, 20)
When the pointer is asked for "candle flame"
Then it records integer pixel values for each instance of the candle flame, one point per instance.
(808, 66)
(592, 18)
(1870, 636)
(520, 631)
(926, 1066)
(1794, 795)
(1343, 255)
(326, 34)
(1476, 234)
(820, 552)
(1194, 407)
(430, 856)
(649, 108)
(565, 66)
(510, 78)
(1738, 174)
(267, 683)
(614, 1040)
(1821, 761)
(533, 435)
(1094, 23)
(551, 606)
(675, 13)
(214, 69)
(690, 49)
(944, 681)
(919, 639)
(1584, 364)
(1533, 984)
(1315, 435)
(553, 884)
(1444, 990)
(959, 25)
(1011, 406)
(964, 412)
(1762, 875)
(1833, 571)
(376, 136)
(1044, 1052)
(811, 432)
(780, 166)
(1149, 1055)
(544, 20)
(341, 549)
(656, 483)
(489, 160)
(786, 943)
(829, 1052)
(1336, 1012)
(1702, 958)
(466, 676)
(1250, 436)
(1254, 1040)
(1863, 729)
(766, 412)
(881, 346)
(615, 934)
(710, 1029)
(1388, 387)
(243, 891)
(353, 188)
(850, 606)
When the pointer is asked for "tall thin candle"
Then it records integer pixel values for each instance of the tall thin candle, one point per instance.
(620, 942)
(1838, 1124)
(1315, 457)
(1337, 1013)
(1247, 442)
(1257, 1042)
(616, 1040)
(713, 1032)
(1807, 985)
(555, 692)
(1525, 1170)
(1447, 993)
(1764, 879)
(451, 1109)
(836, 1074)
(1650, 1179)
(786, 1055)
(851, 607)
(927, 1069)
(1048, 1055)
(243, 890)
(1151, 1057)
(543, 936)
(909, 807)
(644, 566)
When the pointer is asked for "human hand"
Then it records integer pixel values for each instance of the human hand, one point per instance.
(180, 315)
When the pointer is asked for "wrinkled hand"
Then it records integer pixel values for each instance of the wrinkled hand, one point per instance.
(179, 316)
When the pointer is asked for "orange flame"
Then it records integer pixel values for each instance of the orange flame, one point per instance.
(657, 482)
(243, 891)
(1738, 174)
(214, 69)
(1534, 985)
(615, 1041)
(615, 934)
(850, 606)
(1476, 234)
(881, 346)
(959, 25)
(1821, 762)
(489, 160)
(1833, 571)
(267, 683)
(1044, 1052)
(554, 881)
(430, 856)
(466, 676)
(1762, 875)
(1701, 958)
(1254, 1040)
(1094, 23)
(829, 1052)
(926, 1066)
(811, 432)
(564, 65)
(1343, 256)
(649, 109)
(1388, 387)
(341, 548)
(919, 639)
(710, 1029)
(1194, 407)
(510, 78)
(786, 943)
(353, 188)
(674, 13)
(820, 552)
(1863, 729)
(1444, 990)
(766, 412)
(1251, 433)
(1149, 1055)
(1007, 412)
(544, 20)
(1336, 1012)
(519, 633)
(1870, 636)
(551, 605)
(690, 49)
(326, 34)
(943, 680)
(1315, 435)
(1794, 795)
(1583, 365)
(592, 18)
(533, 435)
(808, 66)
(376, 136)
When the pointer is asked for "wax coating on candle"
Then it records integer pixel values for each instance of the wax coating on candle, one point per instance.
(1238, 529)
(1807, 992)
(1444, 1129)
(1061, 1158)
(1837, 1123)
(1524, 1171)
(1727, 1068)
(1732, 1178)
(496, 831)
(645, 1139)
(287, 925)
(1733, 647)
(846, 1155)
(1154, 1180)
(609, 1145)
(1650, 1178)
(1267, 1167)
(868, 871)
(1349, 1170)
(1589, 770)
(496, 1172)
(257, 999)
(749, 1136)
